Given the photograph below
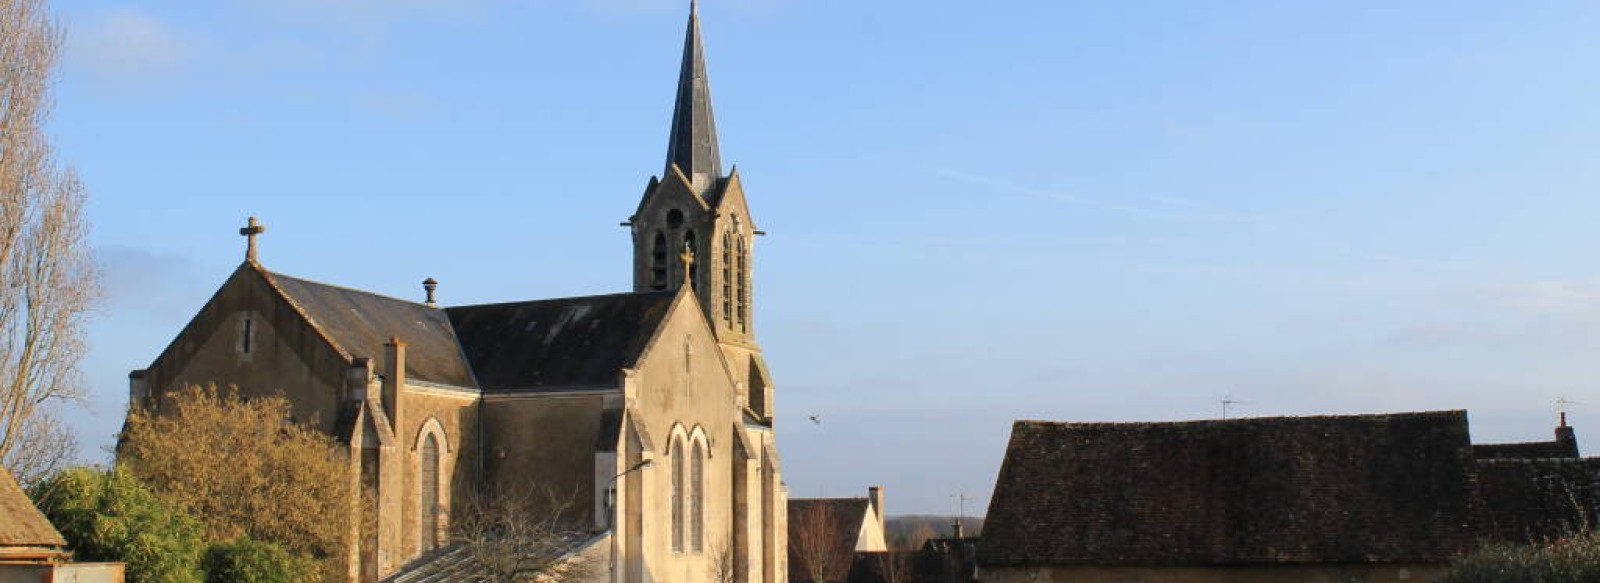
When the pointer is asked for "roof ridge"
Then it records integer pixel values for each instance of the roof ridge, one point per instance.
(1274, 418)
(350, 289)
(564, 299)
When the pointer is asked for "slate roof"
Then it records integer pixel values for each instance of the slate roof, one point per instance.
(842, 527)
(21, 523)
(692, 141)
(359, 323)
(1350, 489)
(1535, 499)
(559, 344)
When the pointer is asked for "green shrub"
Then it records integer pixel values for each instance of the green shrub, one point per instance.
(1565, 560)
(111, 516)
(251, 561)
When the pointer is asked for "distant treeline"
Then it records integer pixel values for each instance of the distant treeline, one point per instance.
(909, 532)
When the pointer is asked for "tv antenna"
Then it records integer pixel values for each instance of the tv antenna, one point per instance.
(1228, 402)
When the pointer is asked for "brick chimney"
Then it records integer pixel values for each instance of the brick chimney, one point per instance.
(1565, 438)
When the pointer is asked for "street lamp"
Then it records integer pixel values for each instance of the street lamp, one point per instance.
(611, 509)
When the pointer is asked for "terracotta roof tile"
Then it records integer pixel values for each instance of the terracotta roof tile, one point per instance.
(21, 523)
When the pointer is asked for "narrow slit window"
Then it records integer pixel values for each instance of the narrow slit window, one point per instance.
(248, 328)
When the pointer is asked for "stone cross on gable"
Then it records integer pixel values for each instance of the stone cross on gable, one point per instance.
(250, 231)
(688, 264)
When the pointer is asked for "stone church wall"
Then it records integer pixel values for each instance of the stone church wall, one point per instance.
(680, 387)
(275, 353)
(543, 444)
(454, 416)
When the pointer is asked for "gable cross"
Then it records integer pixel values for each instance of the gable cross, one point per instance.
(250, 231)
(688, 264)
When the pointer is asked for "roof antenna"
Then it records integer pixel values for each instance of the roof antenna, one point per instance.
(1228, 402)
(961, 513)
(1562, 404)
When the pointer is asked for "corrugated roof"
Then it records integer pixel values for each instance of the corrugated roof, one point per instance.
(360, 323)
(551, 345)
(21, 523)
(1358, 489)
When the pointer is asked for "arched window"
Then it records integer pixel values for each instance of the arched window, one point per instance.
(727, 278)
(742, 293)
(658, 262)
(697, 492)
(429, 500)
(677, 495)
(690, 245)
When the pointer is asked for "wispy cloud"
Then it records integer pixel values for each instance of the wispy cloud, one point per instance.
(129, 45)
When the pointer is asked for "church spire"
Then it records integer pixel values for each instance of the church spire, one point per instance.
(692, 145)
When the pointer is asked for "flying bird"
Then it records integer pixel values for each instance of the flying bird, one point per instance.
(816, 419)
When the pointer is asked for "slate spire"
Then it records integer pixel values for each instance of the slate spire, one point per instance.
(692, 144)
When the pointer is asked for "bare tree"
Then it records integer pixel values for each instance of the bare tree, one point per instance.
(47, 278)
(894, 566)
(726, 565)
(510, 538)
(50, 447)
(815, 538)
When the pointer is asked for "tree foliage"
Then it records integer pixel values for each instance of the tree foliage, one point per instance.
(244, 468)
(247, 560)
(110, 516)
(47, 279)
(1575, 558)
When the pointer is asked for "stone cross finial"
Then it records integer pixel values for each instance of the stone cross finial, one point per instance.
(688, 264)
(250, 231)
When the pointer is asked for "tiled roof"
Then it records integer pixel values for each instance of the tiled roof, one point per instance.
(1527, 450)
(360, 323)
(557, 344)
(834, 523)
(1536, 499)
(21, 523)
(1366, 488)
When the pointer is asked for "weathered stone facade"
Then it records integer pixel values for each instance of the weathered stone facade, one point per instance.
(567, 396)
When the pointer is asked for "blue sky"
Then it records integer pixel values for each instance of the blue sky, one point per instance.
(979, 212)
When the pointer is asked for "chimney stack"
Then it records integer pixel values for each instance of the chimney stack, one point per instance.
(394, 377)
(1565, 438)
(875, 500)
(429, 285)
(955, 529)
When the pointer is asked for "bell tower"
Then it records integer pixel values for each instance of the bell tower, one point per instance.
(693, 210)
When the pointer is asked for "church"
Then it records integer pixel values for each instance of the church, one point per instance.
(652, 409)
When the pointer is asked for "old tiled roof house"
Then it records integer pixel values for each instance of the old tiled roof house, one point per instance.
(661, 392)
(1365, 498)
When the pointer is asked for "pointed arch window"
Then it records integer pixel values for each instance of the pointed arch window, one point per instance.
(742, 281)
(727, 279)
(697, 503)
(677, 495)
(429, 500)
(658, 262)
